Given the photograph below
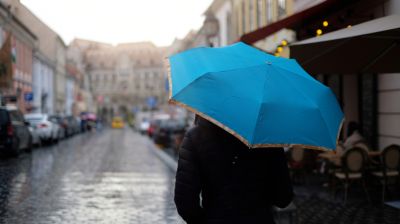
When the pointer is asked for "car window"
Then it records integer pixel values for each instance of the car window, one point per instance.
(3, 117)
(16, 116)
(54, 120)
(117, 119)
(34, 120)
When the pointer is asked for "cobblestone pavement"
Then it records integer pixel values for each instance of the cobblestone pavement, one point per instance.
(108, 177)
(316, 205)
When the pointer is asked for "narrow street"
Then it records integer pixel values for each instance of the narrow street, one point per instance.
(105, 177)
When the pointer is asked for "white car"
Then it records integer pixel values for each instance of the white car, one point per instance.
(47, 130)
(144, 126)
(35, 135)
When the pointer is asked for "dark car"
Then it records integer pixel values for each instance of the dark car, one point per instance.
(14, 131)
(59, 120)
(165, 135)
(73, 125)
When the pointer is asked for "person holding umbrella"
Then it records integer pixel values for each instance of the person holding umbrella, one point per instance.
(237, 185)
(248, 105)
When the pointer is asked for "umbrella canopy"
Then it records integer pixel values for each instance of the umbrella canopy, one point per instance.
(263, 100)
(374, 45)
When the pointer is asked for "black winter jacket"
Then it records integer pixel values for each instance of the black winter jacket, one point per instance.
(220, 180)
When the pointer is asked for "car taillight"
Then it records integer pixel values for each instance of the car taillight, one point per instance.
(10, 130)
(42, 126)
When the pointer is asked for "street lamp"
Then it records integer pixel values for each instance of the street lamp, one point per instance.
(210, 26)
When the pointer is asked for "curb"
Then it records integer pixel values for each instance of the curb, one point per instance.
(163, 156)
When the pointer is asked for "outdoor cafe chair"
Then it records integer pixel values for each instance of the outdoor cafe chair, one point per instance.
(352, 169)
(390, 167)
(363, 145)
(372, 161)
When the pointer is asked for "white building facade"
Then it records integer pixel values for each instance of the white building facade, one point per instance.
(43, 91)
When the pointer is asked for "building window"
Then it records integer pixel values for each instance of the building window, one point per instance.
(260, 16)
(238, 25)
(281, 8)
(251, 16)
(228, 27)
(243, 17)
(270, 11)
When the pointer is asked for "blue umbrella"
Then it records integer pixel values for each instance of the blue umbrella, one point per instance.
(263, 100)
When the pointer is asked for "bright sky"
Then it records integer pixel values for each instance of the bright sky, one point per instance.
(117, 21)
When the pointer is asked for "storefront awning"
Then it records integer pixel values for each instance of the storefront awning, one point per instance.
(370, 47)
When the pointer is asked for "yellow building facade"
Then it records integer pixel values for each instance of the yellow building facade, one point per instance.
(250, 15)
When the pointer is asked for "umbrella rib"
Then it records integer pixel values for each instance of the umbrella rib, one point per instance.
(306, 97)
(259, 110)
(285, 68)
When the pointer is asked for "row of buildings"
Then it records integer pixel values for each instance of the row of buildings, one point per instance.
(36, 77)
(370, 98)
(40, 73)
(45, 75)
(123, 78)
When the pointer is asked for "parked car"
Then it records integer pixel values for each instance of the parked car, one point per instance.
(144, 126)
(35, 135)
(14, 132)
(167, 132)
(59, 120)
(48, 130)
(65, 123)
(73, 125)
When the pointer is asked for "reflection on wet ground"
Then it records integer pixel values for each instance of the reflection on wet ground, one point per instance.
(108, 177)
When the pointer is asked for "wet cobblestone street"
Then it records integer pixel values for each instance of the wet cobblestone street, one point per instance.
(108, 177)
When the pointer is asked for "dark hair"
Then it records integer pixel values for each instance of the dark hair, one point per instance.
(352, 127)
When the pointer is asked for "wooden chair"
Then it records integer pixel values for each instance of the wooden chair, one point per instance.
(363, 145)
(390, 167)
(352, 169)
